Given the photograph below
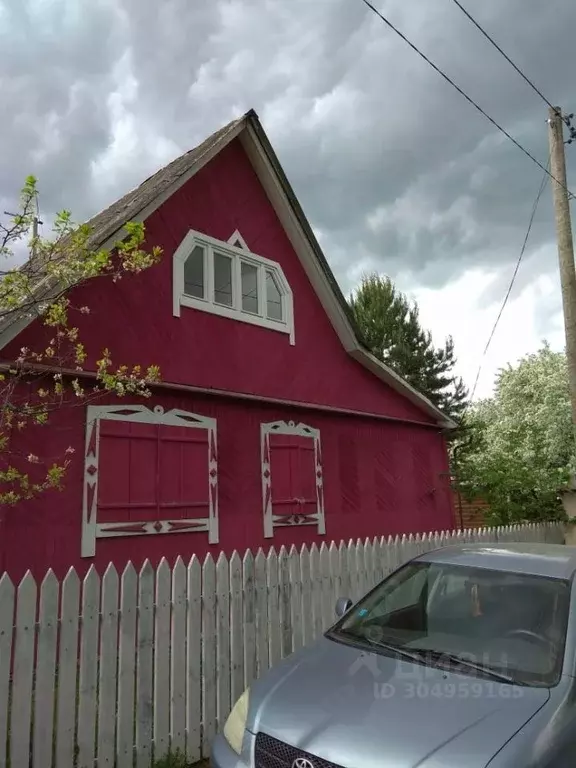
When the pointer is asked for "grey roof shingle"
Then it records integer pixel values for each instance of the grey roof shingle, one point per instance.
(109, 221)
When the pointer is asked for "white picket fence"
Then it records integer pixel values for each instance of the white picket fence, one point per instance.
(114, 671)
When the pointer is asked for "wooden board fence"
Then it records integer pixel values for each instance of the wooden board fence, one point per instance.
(122, 668)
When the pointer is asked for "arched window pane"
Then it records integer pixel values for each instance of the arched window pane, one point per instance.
(222, 279)
(194, 273)
(273, 298)
(249, 274)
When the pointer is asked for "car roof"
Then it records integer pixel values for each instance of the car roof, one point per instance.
(551, 560)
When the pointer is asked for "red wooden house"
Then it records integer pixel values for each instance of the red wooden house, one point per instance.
(273, 424)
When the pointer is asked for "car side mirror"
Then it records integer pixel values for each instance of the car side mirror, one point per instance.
(343, 605)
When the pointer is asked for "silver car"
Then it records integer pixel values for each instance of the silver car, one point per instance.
(464, 657)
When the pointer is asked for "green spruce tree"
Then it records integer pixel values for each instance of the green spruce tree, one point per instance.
(390, 325)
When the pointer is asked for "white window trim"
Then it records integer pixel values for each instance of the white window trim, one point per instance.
(91, 528)
(237, 237)
(271, 520)
(237, 255)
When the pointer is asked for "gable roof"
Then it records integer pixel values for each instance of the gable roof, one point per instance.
(107, 223)
(137, 205)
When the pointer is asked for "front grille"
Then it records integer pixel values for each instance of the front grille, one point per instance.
(271, 753)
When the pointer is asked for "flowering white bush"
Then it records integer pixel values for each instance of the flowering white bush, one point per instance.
(524, 441)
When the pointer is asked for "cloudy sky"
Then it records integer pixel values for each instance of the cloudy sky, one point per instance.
(396, 171)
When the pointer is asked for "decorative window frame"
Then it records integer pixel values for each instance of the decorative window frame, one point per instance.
(91, 528)
(236, 237)
(271, 520)
(238, 255)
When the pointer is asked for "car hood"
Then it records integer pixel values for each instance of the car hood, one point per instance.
(352, 708)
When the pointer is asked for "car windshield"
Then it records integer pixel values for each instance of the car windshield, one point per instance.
(506, 624)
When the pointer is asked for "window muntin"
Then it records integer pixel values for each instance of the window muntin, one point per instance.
(221, 278)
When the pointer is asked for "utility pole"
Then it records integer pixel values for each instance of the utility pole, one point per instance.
(565, 247)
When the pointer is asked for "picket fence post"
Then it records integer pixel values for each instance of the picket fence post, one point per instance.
(208, 653)
(144, 666)
(178, 659)
(6, 631)
(127, 667)
(194, 661)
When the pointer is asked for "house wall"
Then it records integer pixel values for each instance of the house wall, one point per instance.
(134, 317)
(380, 478)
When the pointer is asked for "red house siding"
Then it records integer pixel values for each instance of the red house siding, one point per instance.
(134, 317)
(375, 483)
(379, 477)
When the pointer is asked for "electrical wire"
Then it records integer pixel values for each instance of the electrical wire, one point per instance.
(469, 99)
(512, 281)
(508, 59)
(567, 119)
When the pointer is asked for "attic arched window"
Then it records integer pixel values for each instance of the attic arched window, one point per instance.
(229, 280)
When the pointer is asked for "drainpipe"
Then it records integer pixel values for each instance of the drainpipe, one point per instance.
(457, 488)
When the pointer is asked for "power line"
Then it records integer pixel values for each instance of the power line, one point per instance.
(508, 59)
(567, 119)
(513, 280)
(461, 92)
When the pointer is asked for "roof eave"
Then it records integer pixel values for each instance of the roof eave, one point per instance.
(334, 302)
(401, 386)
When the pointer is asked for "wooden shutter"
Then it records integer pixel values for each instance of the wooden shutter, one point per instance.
(292, 477)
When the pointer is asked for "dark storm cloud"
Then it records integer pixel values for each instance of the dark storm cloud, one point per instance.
(395, 170)
(55, 65)
(419, 160)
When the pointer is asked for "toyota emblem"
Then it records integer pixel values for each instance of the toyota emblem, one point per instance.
(302, 762)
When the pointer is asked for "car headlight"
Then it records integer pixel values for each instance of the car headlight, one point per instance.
(236, 723)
